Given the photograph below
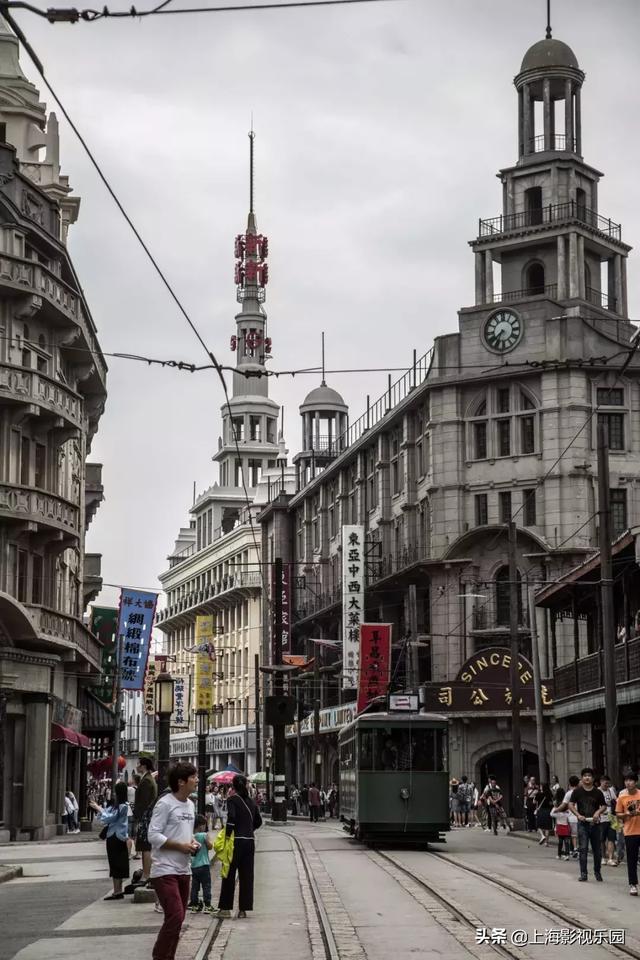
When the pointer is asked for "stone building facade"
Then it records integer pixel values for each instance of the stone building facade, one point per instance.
(52, 394)
(496, 422)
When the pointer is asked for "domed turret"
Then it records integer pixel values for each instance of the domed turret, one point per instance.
(325, 418)
(549, 53)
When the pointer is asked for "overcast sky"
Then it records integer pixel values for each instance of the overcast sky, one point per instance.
(379, 131)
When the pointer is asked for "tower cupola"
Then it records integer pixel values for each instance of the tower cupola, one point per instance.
(325, 420)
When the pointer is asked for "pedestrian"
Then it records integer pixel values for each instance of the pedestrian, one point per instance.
(172, 843)
(201, 869)
(115, 821)
(531, 799)
(544, 823)
(243, 819)
(574, 781)
(628, 810)
(454, 806)
(295, 796)
(495, 810)
(323, 803)
(146, 795)
(609, 836)
(314, 803)
(587, 802)
(466, 793)
(304, 800)
(333, 801)
(562, 829)
(131, 799)
(67, 816)
(209, 808)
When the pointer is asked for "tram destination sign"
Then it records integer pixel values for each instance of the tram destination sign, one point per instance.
(484, 683)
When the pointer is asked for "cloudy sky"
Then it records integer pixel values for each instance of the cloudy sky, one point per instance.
(379, 131)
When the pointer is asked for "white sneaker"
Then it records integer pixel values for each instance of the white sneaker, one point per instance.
(487, 829)
(633, 891)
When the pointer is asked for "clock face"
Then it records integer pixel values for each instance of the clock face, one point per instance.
(503, 331)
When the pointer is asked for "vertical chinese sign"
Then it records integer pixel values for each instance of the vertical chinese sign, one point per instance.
(149, 687)
(285, 593)
(375, 662)
(135, 621)
(179, 718)
(203, 678)
(352, 602)
(104, 623)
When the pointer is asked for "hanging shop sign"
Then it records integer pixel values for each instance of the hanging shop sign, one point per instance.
(352, 602)
(285, 595)
(179, 715)
(149, 694)
(484, 683)
(375, 662)
(332, 719)
(204, 666)
(135, 622)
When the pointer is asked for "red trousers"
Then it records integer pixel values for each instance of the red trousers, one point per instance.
(173, 894)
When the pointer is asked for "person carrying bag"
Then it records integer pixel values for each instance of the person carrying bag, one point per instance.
(243, 819)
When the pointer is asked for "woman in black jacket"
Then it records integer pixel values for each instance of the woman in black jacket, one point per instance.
(243, 819)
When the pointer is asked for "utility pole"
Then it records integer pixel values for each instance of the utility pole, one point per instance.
(411, 626)
(514, 680)
(256, 670)
(117, 722)
(317, 757)
(543, 766)
(606, 596)
(279, 808)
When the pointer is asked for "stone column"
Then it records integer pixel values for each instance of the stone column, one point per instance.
(548, 119)
(527, 131)
(488, 276)
(562, 268)
(479, 277)
(36, 763)
(568, 115)
(573, 265)
(581, 272)
(623, 308)
(618, 284)
(578, 133)
(520, 123)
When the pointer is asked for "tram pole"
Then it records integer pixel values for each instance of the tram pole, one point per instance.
(543, 766)
(606, 594)
(515, 601)
(279, 807)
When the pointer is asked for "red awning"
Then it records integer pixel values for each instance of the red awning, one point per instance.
(83, 741)
(58, 732)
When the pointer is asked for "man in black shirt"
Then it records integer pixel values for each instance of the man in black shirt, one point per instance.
(588, 804)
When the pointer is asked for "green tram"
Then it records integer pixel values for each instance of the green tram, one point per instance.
(394, 781)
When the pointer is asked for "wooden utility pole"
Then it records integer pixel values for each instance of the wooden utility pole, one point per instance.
(514, 680)
(256, 670)
(411, 626)
(606, 598)
(317, 759)
(279, 807)
(543, 766)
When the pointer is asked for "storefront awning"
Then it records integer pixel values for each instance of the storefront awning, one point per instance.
(67, 735)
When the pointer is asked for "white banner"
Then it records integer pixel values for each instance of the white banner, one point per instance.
(352, 602)
(179, 717)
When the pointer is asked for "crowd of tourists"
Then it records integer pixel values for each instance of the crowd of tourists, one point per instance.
(588, 813)
(313, 801)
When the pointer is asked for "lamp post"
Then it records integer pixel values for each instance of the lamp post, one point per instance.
(164, 708)
(202, 729)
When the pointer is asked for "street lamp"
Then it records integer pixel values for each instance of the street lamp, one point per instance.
(202, 729)
(164, 704)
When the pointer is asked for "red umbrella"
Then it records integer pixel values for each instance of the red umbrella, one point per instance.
(224, 777)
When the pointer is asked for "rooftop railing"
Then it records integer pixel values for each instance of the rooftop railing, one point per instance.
(552, 213)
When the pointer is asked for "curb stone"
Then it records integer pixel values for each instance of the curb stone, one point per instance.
(8, 872)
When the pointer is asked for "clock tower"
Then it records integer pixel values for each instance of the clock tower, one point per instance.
(551, 242)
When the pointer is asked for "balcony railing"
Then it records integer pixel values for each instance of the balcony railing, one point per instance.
(241, 580)
(64, 631)
(586, 675)
(379, 567)
(489, 607)
(315, 600)
(558, 142)
(25, 503)
(549, 290)
(601, 299)
(552, 213)
(29, 386)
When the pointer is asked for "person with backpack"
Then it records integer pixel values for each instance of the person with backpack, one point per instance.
(466, 793)
(243, 819)
(493, 798)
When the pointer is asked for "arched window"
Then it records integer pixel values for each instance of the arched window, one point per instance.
(502, 597)
(535, 279)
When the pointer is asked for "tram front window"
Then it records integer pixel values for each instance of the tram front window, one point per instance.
(393, 748)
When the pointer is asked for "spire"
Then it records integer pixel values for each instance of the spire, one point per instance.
(323, 382)
(548, 34)
(251, 220)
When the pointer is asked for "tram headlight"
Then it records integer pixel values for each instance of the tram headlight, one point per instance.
(405, 793)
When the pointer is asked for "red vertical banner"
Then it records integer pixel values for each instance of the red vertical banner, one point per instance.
(285, 593)
(375, 662)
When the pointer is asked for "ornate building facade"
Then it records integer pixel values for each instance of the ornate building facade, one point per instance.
(496, 423)
(52, 394)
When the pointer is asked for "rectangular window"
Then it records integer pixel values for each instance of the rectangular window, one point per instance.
(610, 398)
(25, 461)
(618, 507)
(394, 477)
(527, 435)
(36, 579)
(482, 517)
(40, 479)
(237, 474)
(255, 431)
(271, 430)
(505, 506)
(237, 428)
(503, 400)
(529, 507)
(504, 438)
(420, 458)
(615, 427)
(22, 575)
(42, 364)
(255, 469)
(480, 441)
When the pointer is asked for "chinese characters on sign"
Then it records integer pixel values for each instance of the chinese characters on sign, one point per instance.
(178, 718)
(566, 936)
(352, 602)
(203, 678)
(285, 593)
(149, 688)
(135, 621)
(375, 662)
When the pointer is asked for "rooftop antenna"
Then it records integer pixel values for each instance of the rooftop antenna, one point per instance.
(323, 384)
(548, 20)
(251, 139)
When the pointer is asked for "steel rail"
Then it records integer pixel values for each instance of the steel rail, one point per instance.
(330, 946)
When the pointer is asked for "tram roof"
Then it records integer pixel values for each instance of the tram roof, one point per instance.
(397, 718)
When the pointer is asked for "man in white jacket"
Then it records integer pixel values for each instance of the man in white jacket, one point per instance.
(172, 844)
